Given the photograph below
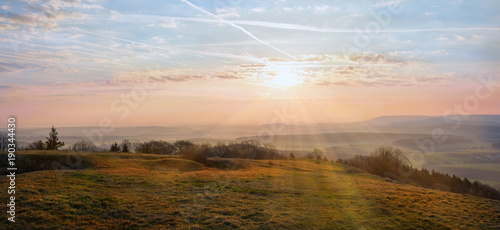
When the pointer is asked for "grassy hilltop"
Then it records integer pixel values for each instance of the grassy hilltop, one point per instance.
(161, 192)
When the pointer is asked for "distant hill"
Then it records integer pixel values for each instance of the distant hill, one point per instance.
(434, 120)
(338, 138)
(388, 120)
(485, 128)
(448, 144)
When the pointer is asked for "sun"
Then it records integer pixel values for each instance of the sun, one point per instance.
(284, 77)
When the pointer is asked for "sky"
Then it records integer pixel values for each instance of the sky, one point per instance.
(130, 63)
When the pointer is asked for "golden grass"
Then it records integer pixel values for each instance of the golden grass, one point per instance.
(130, 192)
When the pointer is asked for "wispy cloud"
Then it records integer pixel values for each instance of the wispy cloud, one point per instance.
(14, 67)
(144, 77)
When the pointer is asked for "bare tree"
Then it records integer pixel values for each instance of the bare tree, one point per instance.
(220, 149)
(316, 154)
(182, 144)
(84, 145)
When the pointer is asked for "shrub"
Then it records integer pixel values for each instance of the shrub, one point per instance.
(36, 145)
(156, 147)
(83, 145)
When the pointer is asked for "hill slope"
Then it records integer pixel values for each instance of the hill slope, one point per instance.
(129, 191)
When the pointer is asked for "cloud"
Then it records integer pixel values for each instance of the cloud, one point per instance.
(408, 54)
(44, 19)
(388, 3)
(114, 14)
(258, 9)
(91, 6)
(65, 4)
(6, 67)
(47, 14)
(353, 76)
(157, 39)
(459, 38)
(376, 59)
(173, 76)
(439, 52)
(17, 18)
(46, 66)
(361, 70)
(331, 69)
(8, 27)
(322, 8)
(384, 76)
(169, 24)
(227, 12)
(225, 76)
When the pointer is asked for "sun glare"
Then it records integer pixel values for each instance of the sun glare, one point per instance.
(285, 77)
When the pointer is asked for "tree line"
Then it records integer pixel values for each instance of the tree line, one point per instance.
(251, 149)
(390, 162)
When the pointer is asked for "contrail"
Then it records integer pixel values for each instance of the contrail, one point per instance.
(192, 52)
(238, 27)
(287, 26)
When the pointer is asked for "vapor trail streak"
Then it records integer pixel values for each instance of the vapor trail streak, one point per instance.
(287, 26)
(238, 27)
(173, 49)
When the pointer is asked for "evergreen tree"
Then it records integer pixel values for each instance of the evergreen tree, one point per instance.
(125, 148)
(125, 145)
(115, 147)
(53, 142)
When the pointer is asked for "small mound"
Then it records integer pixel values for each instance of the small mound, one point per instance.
(173, 164)
(227, 164)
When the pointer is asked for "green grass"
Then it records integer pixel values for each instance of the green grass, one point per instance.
(139, 191)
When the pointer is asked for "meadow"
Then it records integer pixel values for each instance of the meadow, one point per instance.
(134, 191)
